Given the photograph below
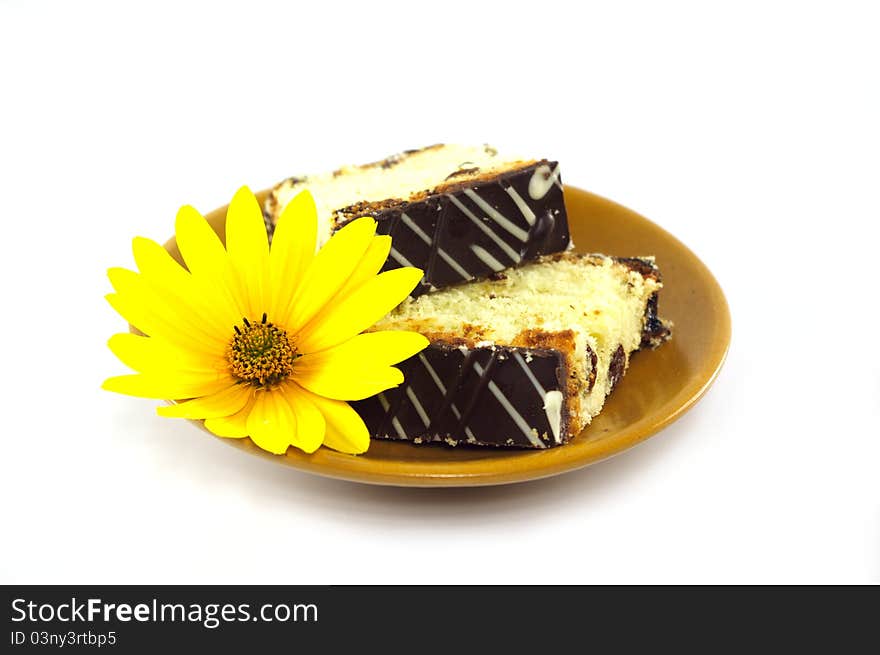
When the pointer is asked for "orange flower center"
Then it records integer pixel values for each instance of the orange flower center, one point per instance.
(260, 354)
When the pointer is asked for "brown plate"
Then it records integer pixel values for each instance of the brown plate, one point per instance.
(658, 388)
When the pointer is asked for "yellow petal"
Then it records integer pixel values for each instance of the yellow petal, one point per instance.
(359, 367)
(172, 282)
(145, 354)
(164, 313)
(359, 310)
(223, 403)
(382, 348)
(310, 422)
(199, 245)
(153, 385)
(370, 265)
(329, 271)
(138, 315)
(133, 286)
(121, 278)
(346, 382)
(271, 424)
(345, 429)
(153, 260)
(292, 251)
(206, 260)
(247, 245)
(235, 426)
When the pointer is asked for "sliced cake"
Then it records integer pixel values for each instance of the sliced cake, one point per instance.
(459, 213)
(525, 360)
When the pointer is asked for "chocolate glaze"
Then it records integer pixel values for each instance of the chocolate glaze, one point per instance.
(466, 407)
(437, 232)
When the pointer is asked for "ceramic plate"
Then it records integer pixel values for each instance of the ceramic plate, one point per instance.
(658, 388)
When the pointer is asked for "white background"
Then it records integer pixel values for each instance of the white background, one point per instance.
(749, 130)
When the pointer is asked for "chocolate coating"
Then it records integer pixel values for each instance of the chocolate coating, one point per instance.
(481, 396)
(454, 238)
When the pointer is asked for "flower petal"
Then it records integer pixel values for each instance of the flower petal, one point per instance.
(206, 259)
(370, 265)
(140, 317)
(159, 314)
(153, 260)
(359, 310)
(292, 251)
(145, 354)
(343, 382)
(223, 403)
(177, 385)
(345, 429)
(359, 367)
(199, 245)
(235, 426)
(247, 245)
(170, 280)
(382, 348)
(121, 278)
(310, 422)
(271, 423)
(329, 271)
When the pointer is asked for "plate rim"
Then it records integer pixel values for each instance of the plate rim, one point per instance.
(525, 465)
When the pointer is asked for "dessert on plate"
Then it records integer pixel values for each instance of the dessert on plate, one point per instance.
(526, 360)
(527, 337)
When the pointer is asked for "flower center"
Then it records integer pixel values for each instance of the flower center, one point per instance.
(260, 354)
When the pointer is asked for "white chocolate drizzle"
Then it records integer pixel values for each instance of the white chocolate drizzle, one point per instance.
(553, 409)
(552, 399)
(443, 254)
(398, 428)
(542, 180)
(400, 259)
(442, 388)
(487, 258)
(497, 216)
(510, 252)
(523, 206)
(418, 406)
(530, 434)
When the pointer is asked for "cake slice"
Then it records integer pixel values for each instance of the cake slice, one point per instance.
(525, 360)
(459, 213)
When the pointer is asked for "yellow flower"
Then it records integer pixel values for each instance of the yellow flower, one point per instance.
(264, 342)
